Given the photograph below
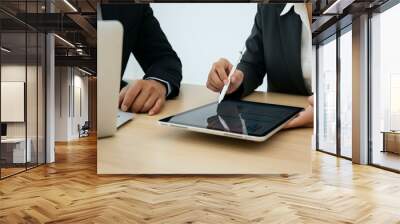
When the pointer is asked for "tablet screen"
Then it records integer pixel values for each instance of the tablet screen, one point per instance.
(241, 117)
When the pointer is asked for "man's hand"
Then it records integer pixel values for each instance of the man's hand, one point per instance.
(305, 118)
(143, 96)
(218, 76)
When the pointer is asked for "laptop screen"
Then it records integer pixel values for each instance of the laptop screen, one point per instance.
(3, 129)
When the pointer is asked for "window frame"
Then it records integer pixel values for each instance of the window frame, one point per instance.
(380, 9)
(333, 37)
(27, 29)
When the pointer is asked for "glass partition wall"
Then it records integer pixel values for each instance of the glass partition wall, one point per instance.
(385, 88)
(345, 108)
(327, 95)
(334, 59)
(334, 81)
(22, 76)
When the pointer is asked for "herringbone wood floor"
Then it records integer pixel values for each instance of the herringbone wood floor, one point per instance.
(69, 191)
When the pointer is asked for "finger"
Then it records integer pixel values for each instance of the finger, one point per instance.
(305, 119)
(219, 76)
(157, 106)
(222, 66)
(211, 87)
(311, 100)
(231, 89)
(236, 81)
(140, 100)
(296, 122)
(229, 66)
(299, 121)
(150, 103)
(121, 95)
(130, 95)
(216, 81)
(225, 63)
(222, 74)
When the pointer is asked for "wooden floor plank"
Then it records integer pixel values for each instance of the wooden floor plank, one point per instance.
(69, 191)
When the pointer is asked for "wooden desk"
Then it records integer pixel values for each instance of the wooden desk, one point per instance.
(145, 147)
(391, 141)
(15, 149)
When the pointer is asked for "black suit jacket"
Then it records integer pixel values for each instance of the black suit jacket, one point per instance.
(144, 38)
(273, 48)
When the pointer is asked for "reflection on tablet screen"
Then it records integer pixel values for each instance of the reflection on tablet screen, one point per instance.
(240, 117)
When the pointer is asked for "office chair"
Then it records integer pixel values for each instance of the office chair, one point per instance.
(84, 130)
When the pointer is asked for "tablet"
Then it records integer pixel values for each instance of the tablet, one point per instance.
(235, 118)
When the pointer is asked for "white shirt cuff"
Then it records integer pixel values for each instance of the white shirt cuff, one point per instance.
(163, 81)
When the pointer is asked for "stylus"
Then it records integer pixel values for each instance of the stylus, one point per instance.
(226, 86)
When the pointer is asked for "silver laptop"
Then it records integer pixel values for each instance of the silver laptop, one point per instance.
(109, 56)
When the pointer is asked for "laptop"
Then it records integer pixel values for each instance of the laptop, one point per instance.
(109, 57)
(236, 119)
(3, 131)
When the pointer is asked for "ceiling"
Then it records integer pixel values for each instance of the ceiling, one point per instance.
(329, 16)
(73, 21)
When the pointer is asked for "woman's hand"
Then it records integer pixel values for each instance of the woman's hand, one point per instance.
(305, 118)
(218, 76)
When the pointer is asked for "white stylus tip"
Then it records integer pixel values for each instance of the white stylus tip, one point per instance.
(220, 98)
(223, 92)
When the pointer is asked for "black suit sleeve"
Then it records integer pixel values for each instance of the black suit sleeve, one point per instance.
(144, 38)
(252, 64)
(155, 54)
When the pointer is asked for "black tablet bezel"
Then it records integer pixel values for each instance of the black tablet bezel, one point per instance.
(296, 111)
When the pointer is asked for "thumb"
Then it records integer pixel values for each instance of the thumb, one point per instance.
(236, 81)
(311, 100)
(293, 123)
(305, 119)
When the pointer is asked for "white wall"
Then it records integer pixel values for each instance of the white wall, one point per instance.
(18, 73)
(61, 103)
(201, 34)
(14, 73)
(81, 103)
(12, 100)
(82, 83)
(34, 125)
(68, 85)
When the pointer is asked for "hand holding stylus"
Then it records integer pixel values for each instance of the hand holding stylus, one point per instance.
(218, 77)
(228, 82)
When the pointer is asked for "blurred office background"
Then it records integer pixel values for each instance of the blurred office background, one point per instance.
(48, 79)
(385, 87)
(361, 45)
(208, 32)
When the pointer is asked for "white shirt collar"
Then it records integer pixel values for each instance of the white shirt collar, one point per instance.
(287, 8)
(300, 9)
